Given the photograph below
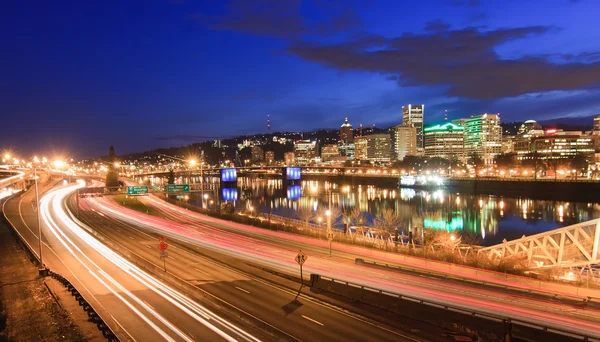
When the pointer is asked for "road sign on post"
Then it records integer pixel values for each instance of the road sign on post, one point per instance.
(330, 235)
(137, 190)
(329, 238)
(300, 259)
(174, 188)
(162, 247)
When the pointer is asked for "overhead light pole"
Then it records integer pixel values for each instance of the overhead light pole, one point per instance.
(42, 270)
(328, 214)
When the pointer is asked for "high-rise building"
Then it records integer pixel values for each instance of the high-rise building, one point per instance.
(529, 129)
(305, 152)
(257, 153)
(379, 147)
(289, 158)
(269, 157)
(596, 125)
(557, 144)
(373, 147)
(329, 152)
(404, 141)
(508, 144)
(360, 148)
(483, 136)
(347, 150)
(413, 115)
(346, 132)
(444, 141)
(564, 144)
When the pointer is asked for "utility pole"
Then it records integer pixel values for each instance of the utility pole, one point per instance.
(42, 270)
(329, 231)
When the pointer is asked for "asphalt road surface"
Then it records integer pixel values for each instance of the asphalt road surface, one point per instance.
(297, 316)
(135, 304)
(276, 250)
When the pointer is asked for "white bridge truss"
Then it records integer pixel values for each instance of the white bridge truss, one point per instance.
(571, 246)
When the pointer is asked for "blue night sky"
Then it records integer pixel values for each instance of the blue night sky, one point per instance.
(77, 76)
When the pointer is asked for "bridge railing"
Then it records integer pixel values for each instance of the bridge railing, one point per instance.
(572, 246)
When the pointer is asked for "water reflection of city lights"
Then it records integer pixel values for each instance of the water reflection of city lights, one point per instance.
(457, 200)
(561, 212)
(407, 194)
(481, 203)
(501, 204)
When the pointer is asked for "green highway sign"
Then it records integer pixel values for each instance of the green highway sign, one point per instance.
(178, 188)
(137, 190)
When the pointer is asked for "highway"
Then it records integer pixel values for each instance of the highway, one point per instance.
(276, 250)
(134, 304)
(296, 316)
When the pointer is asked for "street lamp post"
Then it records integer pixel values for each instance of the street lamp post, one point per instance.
(328, 213)
(42, 270)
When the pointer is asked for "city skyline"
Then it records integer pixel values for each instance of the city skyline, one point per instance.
(187, 71)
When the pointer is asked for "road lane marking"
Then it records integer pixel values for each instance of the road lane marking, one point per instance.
(248, 292)
(131, 238)
(170, 257)
(312, 320)
(145, 302)
(201, 271)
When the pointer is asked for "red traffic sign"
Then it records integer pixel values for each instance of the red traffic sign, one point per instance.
(162, 245)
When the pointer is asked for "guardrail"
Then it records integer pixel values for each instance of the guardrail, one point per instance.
(33, 256)
(89, 309)
(314, 278)
(578, 299)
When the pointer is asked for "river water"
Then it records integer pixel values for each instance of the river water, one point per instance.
(488, 218)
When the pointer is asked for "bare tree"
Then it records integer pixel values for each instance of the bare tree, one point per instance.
(336, 214)
(358, 218)
(387, 221)
(305, 215)
(347, 219)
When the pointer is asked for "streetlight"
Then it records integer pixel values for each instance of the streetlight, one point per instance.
(42, 270)
(329, 232)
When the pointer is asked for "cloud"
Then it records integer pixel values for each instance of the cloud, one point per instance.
(462, 62)
(283, 18)
(346, 20)
(437, 25)
(477, 17)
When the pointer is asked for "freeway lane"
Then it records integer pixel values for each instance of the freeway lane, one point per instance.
(139, 306)
(300, 316)
(193, 227)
